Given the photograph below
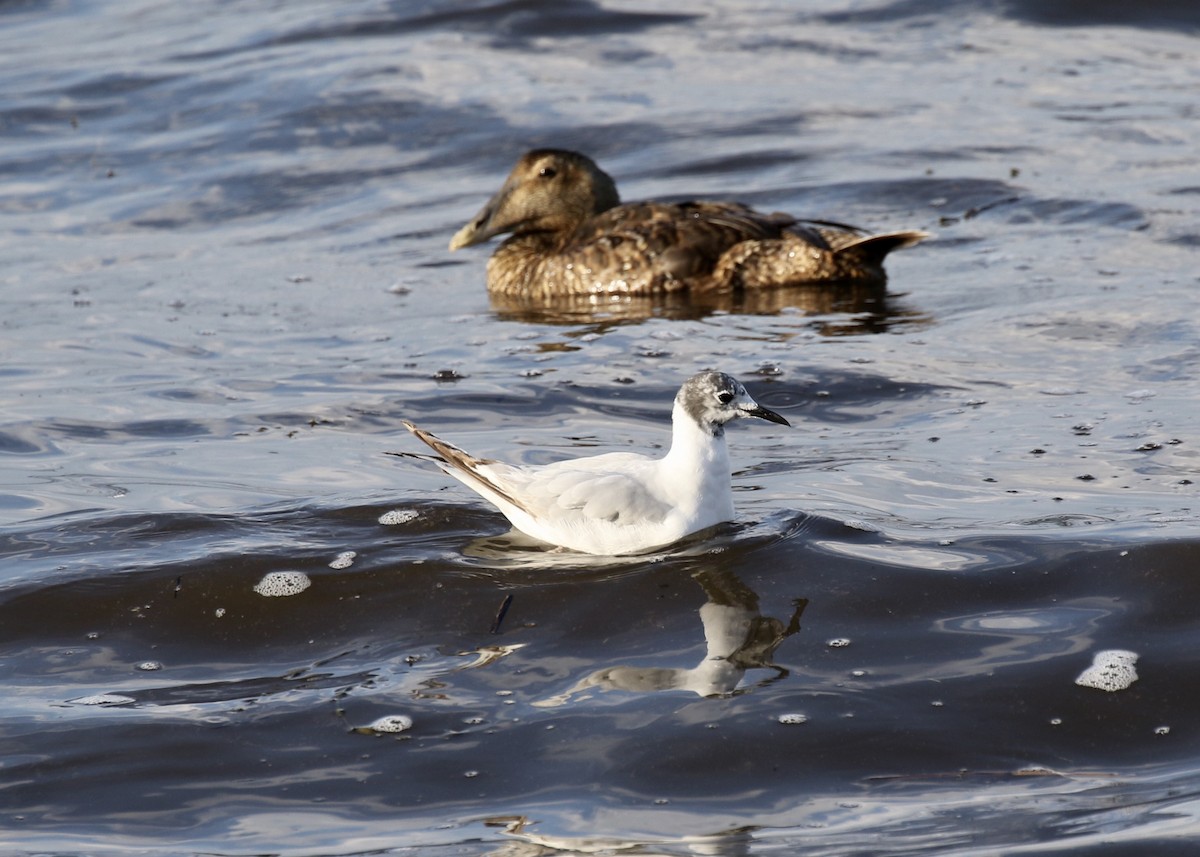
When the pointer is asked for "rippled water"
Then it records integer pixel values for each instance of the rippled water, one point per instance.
(225, 282)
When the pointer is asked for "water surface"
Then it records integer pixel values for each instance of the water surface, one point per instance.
(225, 282)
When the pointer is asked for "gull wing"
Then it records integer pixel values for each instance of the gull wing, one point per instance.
(608, 488)
(619, 498)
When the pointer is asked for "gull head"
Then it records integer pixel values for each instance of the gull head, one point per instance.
(714, 398)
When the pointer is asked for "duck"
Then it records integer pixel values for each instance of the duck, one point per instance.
(570, 234)
(621, 503)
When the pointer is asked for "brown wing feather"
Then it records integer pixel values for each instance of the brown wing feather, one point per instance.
(464, 463)
(680, 240)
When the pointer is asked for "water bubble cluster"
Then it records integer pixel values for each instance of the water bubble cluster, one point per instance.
(398, 516)
(1111, 670)
(793, 719)
(281, 583)
(391, 723)
(104, 699)
(343, 560)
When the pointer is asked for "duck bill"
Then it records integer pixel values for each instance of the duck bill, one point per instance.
(475, 232)
(488, 223)
(768, 415)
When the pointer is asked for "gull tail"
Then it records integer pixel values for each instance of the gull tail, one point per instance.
(466, 467)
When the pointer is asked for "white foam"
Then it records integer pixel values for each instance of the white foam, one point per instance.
(793, 719)
(391, 723)
(343, 560)
(104, 699)
(1111, 670)
(280, 583)
(398, 516)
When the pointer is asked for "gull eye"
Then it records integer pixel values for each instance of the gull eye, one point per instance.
(725, 397)
(547, 172)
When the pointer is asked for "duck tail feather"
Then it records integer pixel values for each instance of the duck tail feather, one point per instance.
(875, 247)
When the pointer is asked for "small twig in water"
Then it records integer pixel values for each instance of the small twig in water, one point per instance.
(501, 613)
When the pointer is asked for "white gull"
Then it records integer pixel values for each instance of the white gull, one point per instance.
(622, 502)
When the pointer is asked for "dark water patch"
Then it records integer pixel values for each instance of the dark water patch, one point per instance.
(914, 11)
(493, 152)
(670, 677)
(246, 691)
(971, 153)
(1070, 212)
(19, 7)
(42, 121)
(117, 84)
(249, 196)
(520, 401)
(949, 196)
(966, 199)
(1191, 239)
(723, 165)
(843, 397)
(124, 432)
(515, 24)
(404, 124)
(512, 24)
(1180, 15)
(23, 440)
(825, 396)
(790, 45)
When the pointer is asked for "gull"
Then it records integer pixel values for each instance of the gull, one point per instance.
(622, 503)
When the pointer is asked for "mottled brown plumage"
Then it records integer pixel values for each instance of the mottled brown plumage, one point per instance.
(572, 235)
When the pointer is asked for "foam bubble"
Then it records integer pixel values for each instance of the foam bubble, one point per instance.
(343, 560)
(149, 666)
(391, 723)
(279, 583)
(398, 516)
(793, 719)
(1112, 669)
(104, 699)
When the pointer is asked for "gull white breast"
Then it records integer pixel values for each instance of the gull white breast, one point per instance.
(621, 502)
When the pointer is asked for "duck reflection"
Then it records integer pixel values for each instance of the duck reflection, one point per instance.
(737, 638)
(872, 309)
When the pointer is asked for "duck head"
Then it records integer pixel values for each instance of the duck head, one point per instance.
(549, 190)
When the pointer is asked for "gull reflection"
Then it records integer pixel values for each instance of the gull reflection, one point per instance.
(737, 638)
(737, 842)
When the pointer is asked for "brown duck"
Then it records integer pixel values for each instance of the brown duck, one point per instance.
(571, 235)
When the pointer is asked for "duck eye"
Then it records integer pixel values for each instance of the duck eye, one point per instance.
(547, 172)
(725, 397)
